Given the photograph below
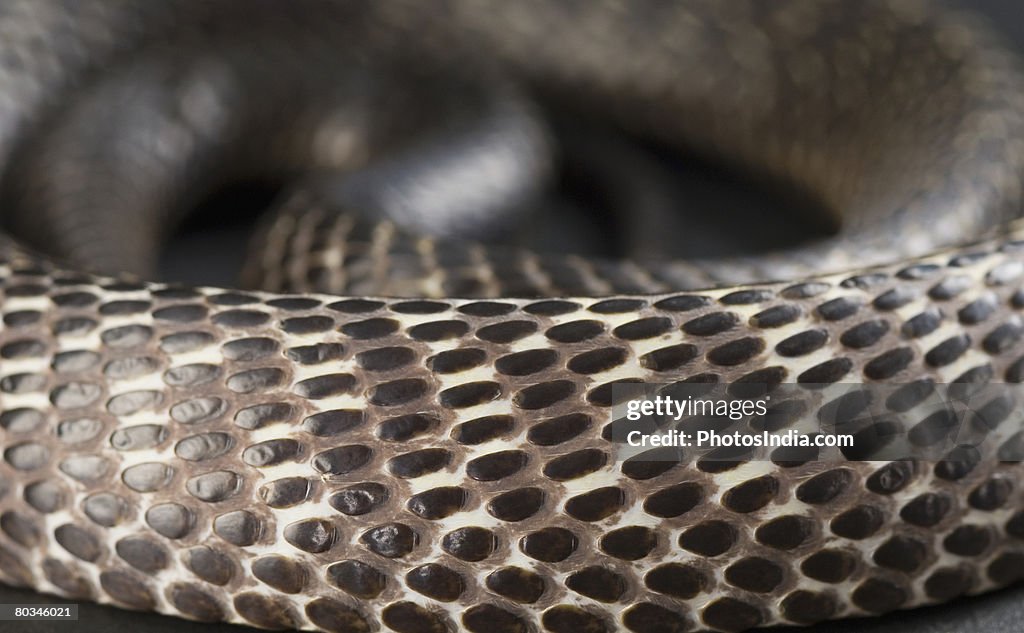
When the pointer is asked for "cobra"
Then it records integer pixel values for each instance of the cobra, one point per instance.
(358, 462)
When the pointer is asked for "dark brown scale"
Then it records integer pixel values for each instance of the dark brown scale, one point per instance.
(828, 372)
(596, 505)
(891, 478)
(264, 611)
(27, 456)
(516, 584)
(256, 380)
(642, 329)
(483, 429)
(978, 310)
(357, 579)
(370, 328)
(355, 306)
(550, 544)
(406, 427)
(858, 523)
(189, 376)
(134, 401)
(575, 331)
(469, 394)
(802, 344)
(991, 494)
(437, 503)
(170, 519)
(669, 358)
(335, 617)
(154, 476)
(240, 319)
(926, 510)
(419, 463)
(392, 540)
(968, 540)
(104, 509)
(948, 351)
(436, 581)
(576, 464)
(250, 349)
(487, 308)
(754, 574)
(385, 358)
(471, 544)
(895, 298)
(183, 342)
(751, 495)
(75, 361)
(496, 466)
(285, 492)
(543, 395)
(711, 324)
(138, 437)
(324, 424)
(311, 535)
(598, 360)
(948, 583)
(678, 580)
(316, 354)
(526, 363)
(408, 617)
(279, 572)
(439, 331)
(1006, 568)
(131, 367)
(342, 460)
(674, 501)
(214, 486)
(488, 618)
(232, 299)
(127, 589)
(516, 505)
(142, 554)
(786, 532)
(598, 583)
(124, 307)
(359, 499)
(902, 553)
(240, 527)
(187, 313)
(195, 602)
(506, 332)
(79, 542)
(75, 584)
(879, 596)
(456, 360)
(825, 486)
(325, 386)
(839, 308)
(829, 565)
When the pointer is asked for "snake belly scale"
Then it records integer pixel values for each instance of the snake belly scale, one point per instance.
(363, 463)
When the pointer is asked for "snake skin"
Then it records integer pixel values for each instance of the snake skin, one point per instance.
(428, 464)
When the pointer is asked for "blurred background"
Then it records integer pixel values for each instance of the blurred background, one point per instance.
(210, 251)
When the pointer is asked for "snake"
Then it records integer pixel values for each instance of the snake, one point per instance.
(399, 426)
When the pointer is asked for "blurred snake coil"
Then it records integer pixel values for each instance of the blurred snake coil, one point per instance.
(394, 441)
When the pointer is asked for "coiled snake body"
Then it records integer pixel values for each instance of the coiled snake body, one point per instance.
(359, 463)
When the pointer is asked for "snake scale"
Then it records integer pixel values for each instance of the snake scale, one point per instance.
(335, 457)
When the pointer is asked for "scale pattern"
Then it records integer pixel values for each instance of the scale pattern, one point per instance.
(348, 464)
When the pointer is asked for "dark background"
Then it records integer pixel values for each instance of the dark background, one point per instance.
(211, 254)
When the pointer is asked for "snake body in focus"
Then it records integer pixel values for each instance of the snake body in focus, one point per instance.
(360, 463)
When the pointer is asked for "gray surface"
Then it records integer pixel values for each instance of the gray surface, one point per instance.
(211, 256)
